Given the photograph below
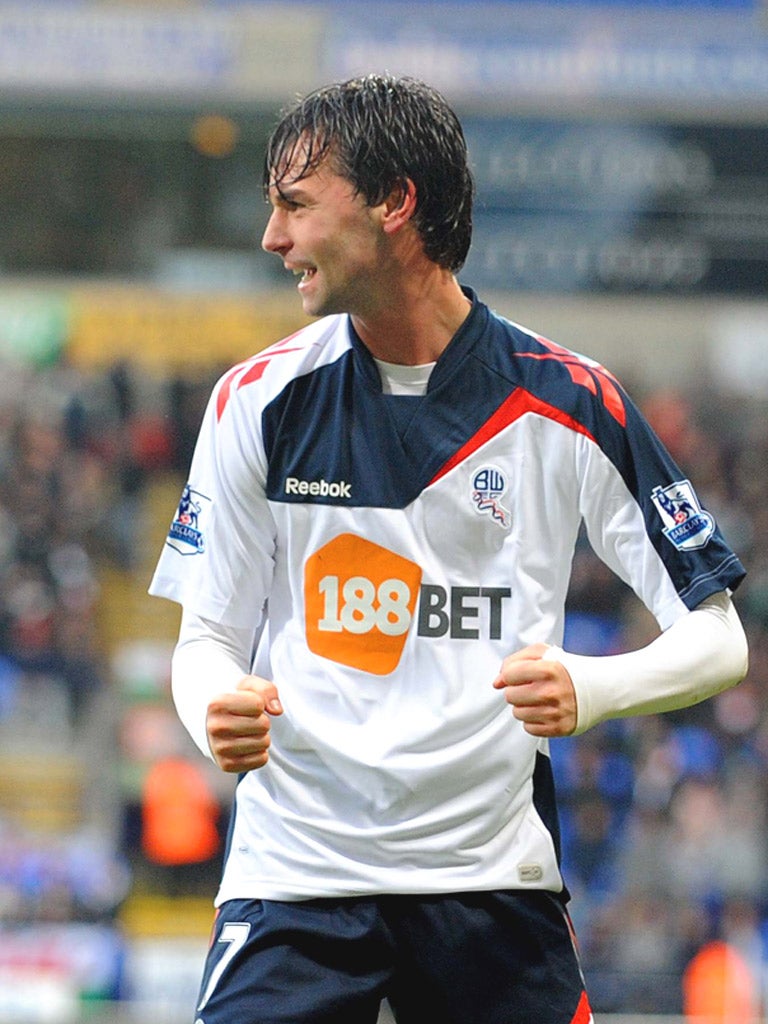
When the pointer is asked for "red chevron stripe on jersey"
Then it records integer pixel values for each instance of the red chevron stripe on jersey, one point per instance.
(518, 404)
(253, 368)
(587, 374)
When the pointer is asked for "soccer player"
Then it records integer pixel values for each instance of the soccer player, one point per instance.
(373, 581)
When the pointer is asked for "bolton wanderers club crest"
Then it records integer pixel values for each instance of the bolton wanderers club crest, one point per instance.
(686, 524)
(488, 487)
(185, 535)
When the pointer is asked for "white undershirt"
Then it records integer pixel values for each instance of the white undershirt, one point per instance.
(397, 379)
(701, 654)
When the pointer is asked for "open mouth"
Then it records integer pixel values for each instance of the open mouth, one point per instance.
(305, 273)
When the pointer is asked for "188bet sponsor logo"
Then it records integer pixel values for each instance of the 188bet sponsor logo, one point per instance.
(362, 601)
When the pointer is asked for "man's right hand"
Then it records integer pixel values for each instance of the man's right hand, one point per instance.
(238, 724)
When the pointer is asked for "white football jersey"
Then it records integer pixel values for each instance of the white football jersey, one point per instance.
(394, 549)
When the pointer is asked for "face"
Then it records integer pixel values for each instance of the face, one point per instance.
(330, 238)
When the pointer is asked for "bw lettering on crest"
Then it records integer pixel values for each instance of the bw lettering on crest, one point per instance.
(488, 487)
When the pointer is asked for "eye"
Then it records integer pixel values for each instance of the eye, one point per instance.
(288, 201)
(281, 201)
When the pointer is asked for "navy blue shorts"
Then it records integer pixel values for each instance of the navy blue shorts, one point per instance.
(503, 957)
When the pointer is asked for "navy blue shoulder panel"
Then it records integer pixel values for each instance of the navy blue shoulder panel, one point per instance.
(683, 533)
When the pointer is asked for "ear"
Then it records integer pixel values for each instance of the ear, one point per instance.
(399, 206)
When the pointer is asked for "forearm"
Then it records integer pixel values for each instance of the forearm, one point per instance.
(701, 654)
(208, 660)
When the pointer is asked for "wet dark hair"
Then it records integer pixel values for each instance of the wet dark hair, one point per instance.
(380, 131)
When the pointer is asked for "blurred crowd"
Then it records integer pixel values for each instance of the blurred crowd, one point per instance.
(663, 818)
(74, 457)
(76, 452)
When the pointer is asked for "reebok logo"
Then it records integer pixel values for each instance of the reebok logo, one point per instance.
(321, 488)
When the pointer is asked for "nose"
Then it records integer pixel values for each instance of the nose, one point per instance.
(275, 238)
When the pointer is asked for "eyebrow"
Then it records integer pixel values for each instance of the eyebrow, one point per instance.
(290, 192)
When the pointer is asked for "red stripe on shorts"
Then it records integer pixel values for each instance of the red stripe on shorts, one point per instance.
(583, 1013)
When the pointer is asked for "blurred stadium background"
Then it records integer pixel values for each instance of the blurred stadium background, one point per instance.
(621, 152)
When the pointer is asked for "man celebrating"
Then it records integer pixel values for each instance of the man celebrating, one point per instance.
(387, 506)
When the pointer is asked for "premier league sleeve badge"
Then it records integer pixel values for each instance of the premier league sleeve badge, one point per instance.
(185, 534)
(686, 524)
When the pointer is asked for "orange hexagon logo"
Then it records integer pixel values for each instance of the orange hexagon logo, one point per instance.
(359, 601)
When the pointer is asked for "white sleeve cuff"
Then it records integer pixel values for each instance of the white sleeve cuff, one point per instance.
(701, 654)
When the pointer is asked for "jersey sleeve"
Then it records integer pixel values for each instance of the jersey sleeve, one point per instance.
(645, 520)
(218, 557)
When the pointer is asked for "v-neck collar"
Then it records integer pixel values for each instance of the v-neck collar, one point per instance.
(450, 358)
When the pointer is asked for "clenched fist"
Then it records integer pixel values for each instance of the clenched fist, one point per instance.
(540, 692)
(238, 724)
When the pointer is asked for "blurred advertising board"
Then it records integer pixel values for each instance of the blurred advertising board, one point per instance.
(619, 206)
(690, 52)
(163, 332)
(30, 994)
(690, 56)
(33, 326)
(162, 52)
(167, 332)
(48, 970)
(163, 975)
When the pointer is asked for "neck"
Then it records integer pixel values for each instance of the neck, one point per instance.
(418, 321)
